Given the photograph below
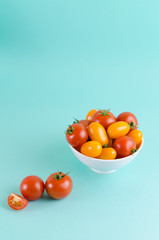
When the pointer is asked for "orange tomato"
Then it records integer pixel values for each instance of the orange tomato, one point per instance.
(90, 114)
(136, 135)
(118, 129)
(108, 153)
(91, 149)
(97, 132)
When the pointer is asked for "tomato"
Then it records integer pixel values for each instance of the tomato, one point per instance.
(32, 187)
(90, 115)
(58, 185)
(118, 129)
(104, 117)
(129, 118)
(17, 202)
(85, 123)
(124, 146)
(136, 135)
(108, 153)
(76, 135)
(91, 149)
(97, 132)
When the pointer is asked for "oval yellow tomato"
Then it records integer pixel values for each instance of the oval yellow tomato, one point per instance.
(136, 135)
(108, 153)
(91, 149)
(97, 132)
(118, 129)
(90, 114)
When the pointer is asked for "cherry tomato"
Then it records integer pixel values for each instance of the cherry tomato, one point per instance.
(76, 135)
(58, 185)
(129, 118)
(91, 149)
(124, 146)
(97, 132)
(32, 187)
(108, 153)
(118, 129)
(17, 202)
(136, 135)
(90, 115)
(104, 117)
(85, 123)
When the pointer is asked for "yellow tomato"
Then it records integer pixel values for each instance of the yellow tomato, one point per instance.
(91, 149)
(97, 132)
(118, 129)
(136, 135)
(108, 153)
(90, 115)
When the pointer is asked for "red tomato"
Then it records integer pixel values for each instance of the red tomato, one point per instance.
(32, 187)
(76, 135)
(129, 118)
(85, 123)
(104, 117)
(58, 185)
(124, 146)
(17, 202)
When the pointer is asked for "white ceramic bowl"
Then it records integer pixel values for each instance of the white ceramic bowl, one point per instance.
(104, 166)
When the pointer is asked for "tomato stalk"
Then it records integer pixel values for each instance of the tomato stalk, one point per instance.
(132, 125)
(105, 113)
(76, 121)
(105, 145)
(59, 176)
(70, 130)
(133, 150)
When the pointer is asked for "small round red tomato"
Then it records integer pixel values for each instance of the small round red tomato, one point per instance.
(90, 114)
(17, 202)
(32, 187)
(124, 146)
(76, 135)
(129, 118)
(104, 117)
(58, 185)
(85, 123)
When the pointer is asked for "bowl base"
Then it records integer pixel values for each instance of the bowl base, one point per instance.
(101, 172)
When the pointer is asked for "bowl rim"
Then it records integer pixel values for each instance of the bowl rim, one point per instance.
(110, 160)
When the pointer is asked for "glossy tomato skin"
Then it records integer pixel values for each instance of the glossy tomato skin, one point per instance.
(136, 135)
(17, 202)
(124, 146)
(85, 123)
(98, 133)
(103, 119)
(108, 153)
(58, 189)
(118, 129)
(76, 135)
(128, 117)
(91, 149)
(32, 187)
(90, 114)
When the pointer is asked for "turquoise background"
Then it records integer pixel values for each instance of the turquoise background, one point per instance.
(58, 60)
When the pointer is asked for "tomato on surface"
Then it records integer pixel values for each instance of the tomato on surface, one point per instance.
(91, 149)
(76, 135)
(32, 187)
(129, 118)
(17, 202)
(108, 153)
(97, 132)
(118, 129)
(124, 146)
(104, 117)
(90, 114)
(58, 185)
(136, 135)
(85, 123)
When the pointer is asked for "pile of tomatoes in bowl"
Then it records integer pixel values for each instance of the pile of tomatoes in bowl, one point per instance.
(103, 136)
